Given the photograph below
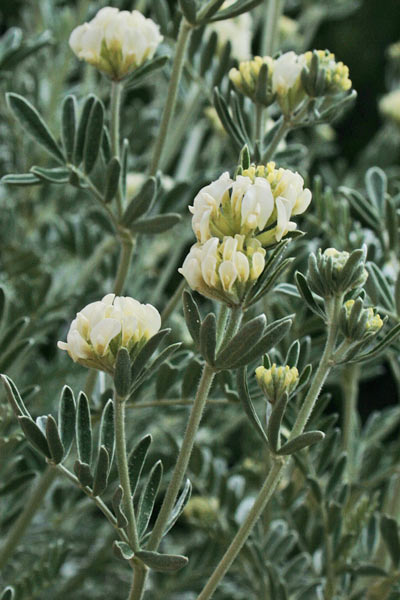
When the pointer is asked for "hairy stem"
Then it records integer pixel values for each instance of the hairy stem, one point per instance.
(169, 108)
(277, 469)
(116, 92)
(350, 378)
(124, 264)
(279, 135)
(270, 37)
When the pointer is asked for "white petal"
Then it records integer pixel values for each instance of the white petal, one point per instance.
(102, 334)
(228, 274)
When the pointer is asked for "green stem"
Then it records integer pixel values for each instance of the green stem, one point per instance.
(330, 586)
(221, 323)
(259, 132)
(276, 472)
(270, 36)
(124, 263)
(33, 503)
(116, 92)
(181, 45)
(173, 301)
(123, 470)
(183, 457)
(139, 582)
(350, 378)
(279, 135)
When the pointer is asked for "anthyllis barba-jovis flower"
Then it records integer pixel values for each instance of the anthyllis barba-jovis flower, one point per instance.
(259, 203)
(101, 328)
(224, 270)
(116, 42)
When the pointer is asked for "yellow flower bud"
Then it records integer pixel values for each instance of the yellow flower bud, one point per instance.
(276, 381)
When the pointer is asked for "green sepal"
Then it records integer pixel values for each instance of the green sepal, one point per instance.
(136, 461)
(275, 422)
(54, 441)
(93, 136)
(69, 123)
(83, 430)
(34, 435)
(101, 472)
(208, 339)
(301, 441)
(390, 535)
(66, 418)
(34, 124)
(192, 316)
(165, 563)
(122, 374)
(83, 473)
(118, 496)
(157, 224)
(148, 498)
(141, 203)
(247, 404)
(238, 346)
(112, 179)
(122, 550)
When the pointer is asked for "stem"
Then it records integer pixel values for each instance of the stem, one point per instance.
(181, 45)
(123, 470)
(350, 377)
(271, 30)
(279, 135)
(116, 92)
(173, 301)
(221, 324)
(139, 582)
(31, 506)
(259, 132)
(329, 591)
(124, 263)
(183, 457)
(276, 472)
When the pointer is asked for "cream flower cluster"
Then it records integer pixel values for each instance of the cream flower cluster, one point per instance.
(224, 270)
(237, 31)
(116, 42)
(102, 327)
(277, 380)
(260, 202)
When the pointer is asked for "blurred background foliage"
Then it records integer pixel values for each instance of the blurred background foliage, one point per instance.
(57, 253)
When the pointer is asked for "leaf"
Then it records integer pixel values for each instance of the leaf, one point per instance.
(94, 133)
(17, 482)
(165, 563)
(179, 506)
(146, 353)
(14, 397)
(8, 593)
(307, 294)
(390, 534)
(83, 473)
(117, 499)
(83, 122)
(336, 474)
(83, 430)
(192, 316)
(54, 441)
(21, 179)
(157, 224)
(146, 70)
(188, 8)
(141, 203)
(122, 550)
(328, 451)
(34, 435)
(247, 404)
(378, 348)
(66, 418)
(369, 570)
(136, 461)
(34, 124)
(101, 472)
(301, 441)
(58, 175)
(235, 9)
(106, 433)
(157, 362)
(148, 497)
(229, 125)
(112, 179)
(208, 338)
(275, 421)
(376, 184)
(247, 336)
(69, 123)
(122, 375)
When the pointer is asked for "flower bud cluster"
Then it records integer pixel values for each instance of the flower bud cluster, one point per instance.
(291, 78)
(357, 322)
(259, 202)
(332, 272)
(224, 270)
(277, 381)
(116, 42)
(101, 328)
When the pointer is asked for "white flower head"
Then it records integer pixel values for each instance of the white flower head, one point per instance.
(116, 42)
(224, 270)
(102, 327)
(287, 70)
